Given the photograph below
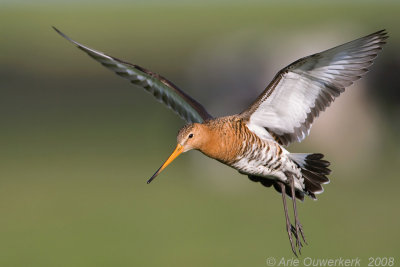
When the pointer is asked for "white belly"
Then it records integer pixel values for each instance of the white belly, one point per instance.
(266, 163)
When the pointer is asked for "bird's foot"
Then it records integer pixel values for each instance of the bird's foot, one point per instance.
(299, 234)
(295, 231)
(291, 230)
(300, 229)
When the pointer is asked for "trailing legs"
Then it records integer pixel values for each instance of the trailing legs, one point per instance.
(292, 230)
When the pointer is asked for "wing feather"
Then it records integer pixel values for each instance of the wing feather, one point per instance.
(288, 106)
(162, 89)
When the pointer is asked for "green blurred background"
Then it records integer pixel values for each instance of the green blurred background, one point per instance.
(78, 142)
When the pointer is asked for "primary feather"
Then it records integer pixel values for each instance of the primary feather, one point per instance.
(300, 91)
(162, 89)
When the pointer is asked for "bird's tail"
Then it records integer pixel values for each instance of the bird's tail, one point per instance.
(314, 170)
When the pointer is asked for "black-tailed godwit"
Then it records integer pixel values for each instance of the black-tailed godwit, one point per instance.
(253, 142)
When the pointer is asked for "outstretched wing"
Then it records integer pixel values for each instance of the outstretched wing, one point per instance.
(298, 93)
(162, 89)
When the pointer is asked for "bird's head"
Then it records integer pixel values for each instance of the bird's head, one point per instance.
(190, 136)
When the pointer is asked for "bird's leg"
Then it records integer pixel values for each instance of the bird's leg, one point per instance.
(289, 226)
(296, 221)
(298, 226)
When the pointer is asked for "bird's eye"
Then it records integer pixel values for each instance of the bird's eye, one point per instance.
(190, 135)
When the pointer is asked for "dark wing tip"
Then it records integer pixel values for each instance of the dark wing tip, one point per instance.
(63, 35)
(90, 51)
(382, 34)
(57, 30)
(86, 49)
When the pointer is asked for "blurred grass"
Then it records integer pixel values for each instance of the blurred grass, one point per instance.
(78, 144)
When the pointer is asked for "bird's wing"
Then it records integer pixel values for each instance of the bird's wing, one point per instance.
(162, 89)
(299, 92)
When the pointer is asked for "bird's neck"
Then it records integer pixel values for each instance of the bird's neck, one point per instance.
(224, 139)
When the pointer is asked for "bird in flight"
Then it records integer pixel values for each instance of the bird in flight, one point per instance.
(253, 141)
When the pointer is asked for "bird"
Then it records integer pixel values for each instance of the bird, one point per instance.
(255, 141)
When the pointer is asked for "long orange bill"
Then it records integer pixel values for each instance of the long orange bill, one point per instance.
(178, 150)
